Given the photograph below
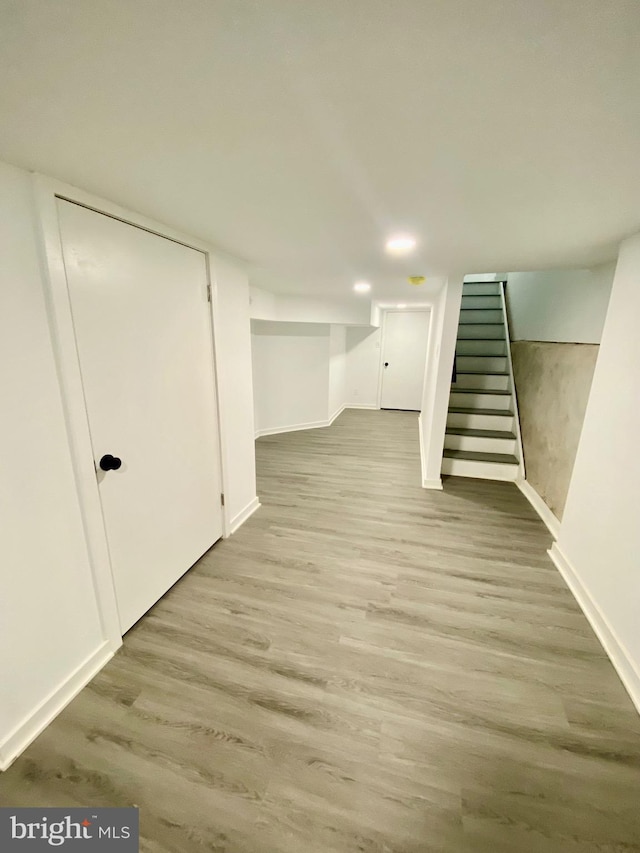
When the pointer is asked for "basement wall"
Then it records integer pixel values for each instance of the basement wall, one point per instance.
(54, 638)
(49, 615)
(553, 381)
(556, 320)
(363, 366)
(598, 544)
(337, 370)
(299, 374)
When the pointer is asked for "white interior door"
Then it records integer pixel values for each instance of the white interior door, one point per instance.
(404, 359)
(143, 332)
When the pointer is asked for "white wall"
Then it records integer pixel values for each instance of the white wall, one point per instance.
(305, 309)
(437, 387)
(484, 276)
(299, 374)
(52, 639)
(362, 366)
(262, 304)
(235, 386)
(290, 375)
(337, 370)
(48, 613)
(560, 305)
(598, 546)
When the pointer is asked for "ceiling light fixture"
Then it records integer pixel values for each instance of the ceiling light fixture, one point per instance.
(362, 287)
(402, 304)
(400, 244)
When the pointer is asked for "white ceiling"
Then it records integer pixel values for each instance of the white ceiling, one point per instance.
(296, 134)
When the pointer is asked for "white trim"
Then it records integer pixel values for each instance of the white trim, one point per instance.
(297, 427)
(615, 650)
(418, 309)
(522, 474)
(46, 190)
(72, 393)
(372, 408)
(423, 467)
(383, 327)
(432, 484)
(291, 428)
(336, 414)
(553, 523)
(38, 719)
(214, 318)
(239, 519)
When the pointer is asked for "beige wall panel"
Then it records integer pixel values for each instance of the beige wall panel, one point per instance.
(552, 383)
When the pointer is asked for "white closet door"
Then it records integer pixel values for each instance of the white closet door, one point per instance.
(404, 359)
(143, 332)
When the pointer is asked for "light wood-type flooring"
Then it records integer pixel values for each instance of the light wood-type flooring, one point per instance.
(364, 666)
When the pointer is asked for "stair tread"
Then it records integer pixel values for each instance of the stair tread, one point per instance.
(483, 372)
(481, 433)
(476, 456)
(480, 391)
(469, 410)
(490, 296)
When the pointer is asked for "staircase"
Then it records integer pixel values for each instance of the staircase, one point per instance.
(483, 434)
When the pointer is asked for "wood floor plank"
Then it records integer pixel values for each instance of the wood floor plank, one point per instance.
(363, 666)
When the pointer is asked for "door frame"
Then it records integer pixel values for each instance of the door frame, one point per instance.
(413, 309)
(46, 191)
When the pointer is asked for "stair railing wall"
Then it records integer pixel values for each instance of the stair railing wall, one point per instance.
(521, 474)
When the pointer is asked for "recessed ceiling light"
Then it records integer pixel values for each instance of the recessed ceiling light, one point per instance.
(400, 244)
(402, 304)
(362, 287)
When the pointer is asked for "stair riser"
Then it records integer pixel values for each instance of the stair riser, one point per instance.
(480, 316)
(480, 470)
(469, 362)
(471, 347)
(482, 302)
(483, 381)
(484, 288)
(484, 330)
(479, 444)
(472, 421)
(481, 400)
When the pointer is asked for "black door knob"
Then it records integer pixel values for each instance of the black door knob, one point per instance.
(110, 463)
(386, 364)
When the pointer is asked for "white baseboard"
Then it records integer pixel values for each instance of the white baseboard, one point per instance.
(38, 720)
(291, 428)
(553, 523)
(336, 414)
(427, 482)
(615, 650)
(296, 427)
(239, 519)
(355, 406)
(422, 465)
(432, 484)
